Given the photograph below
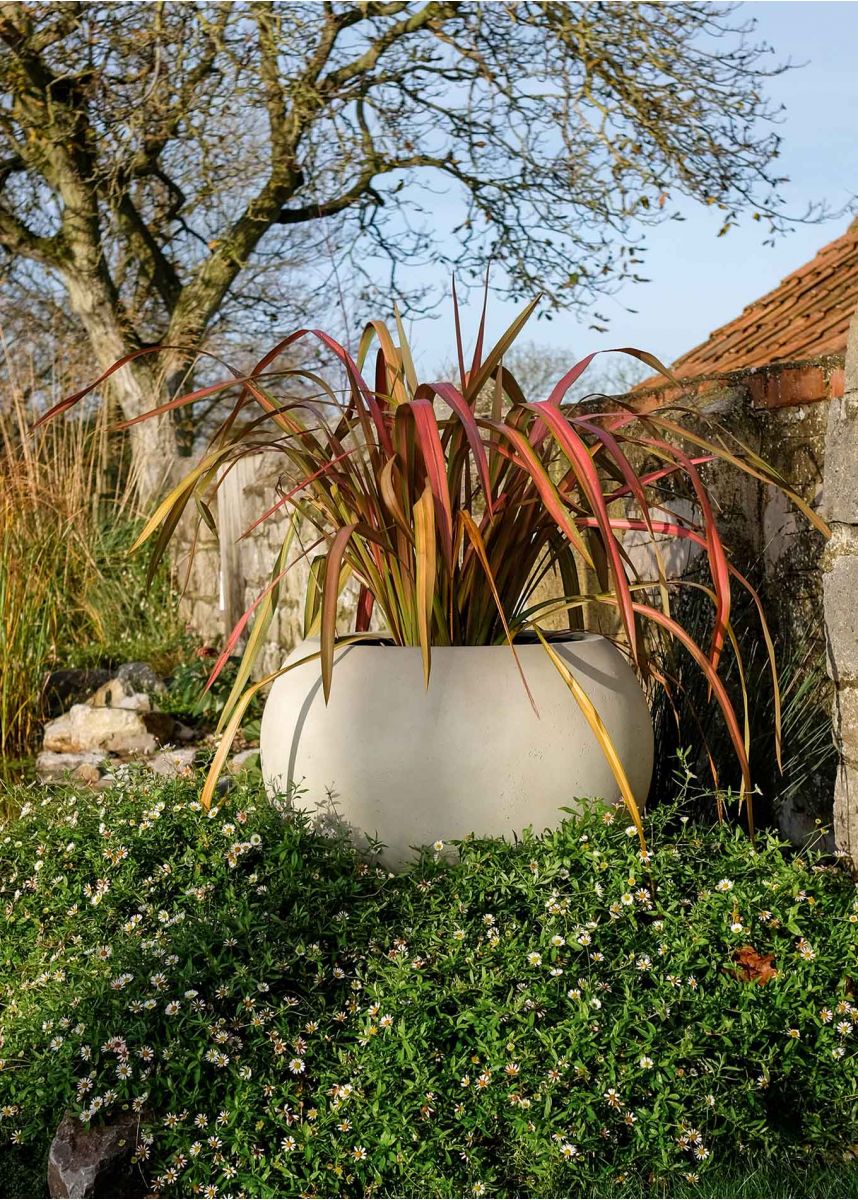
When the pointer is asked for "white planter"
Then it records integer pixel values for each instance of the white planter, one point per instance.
(408, 765)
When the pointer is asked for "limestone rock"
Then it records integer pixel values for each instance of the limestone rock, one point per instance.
(846, 722)
(840, 587)
(82, 768)
(170, 763)
(116, 694)
(242, 760)
(115, 730)
(94, 1162)
(140, 677)
(841, 477)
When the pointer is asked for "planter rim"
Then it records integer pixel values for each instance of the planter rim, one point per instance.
(380, 642)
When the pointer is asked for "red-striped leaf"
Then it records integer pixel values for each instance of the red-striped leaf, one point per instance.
(462, 410)
(429, 439)
(579, 456)
(424, 553)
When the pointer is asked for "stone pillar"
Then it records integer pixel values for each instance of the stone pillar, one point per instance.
(840, 592)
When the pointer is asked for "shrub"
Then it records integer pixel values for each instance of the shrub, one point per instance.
(539, 1018)
(803, 775)
(188, 697)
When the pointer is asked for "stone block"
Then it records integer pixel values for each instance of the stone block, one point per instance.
(118, 694)
(241, 761)
(841, 460)
(82, 768)
(71, 685)
(846, 722)
(172, 763)
(841, 444)
(846, 812)
(140, 677)
(840, 598)
(110, 730)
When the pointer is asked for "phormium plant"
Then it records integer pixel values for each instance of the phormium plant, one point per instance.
(450, 503)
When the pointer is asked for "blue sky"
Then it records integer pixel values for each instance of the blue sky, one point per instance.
(699, 281)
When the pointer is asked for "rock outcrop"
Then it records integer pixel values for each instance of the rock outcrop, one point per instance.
(94, 1162)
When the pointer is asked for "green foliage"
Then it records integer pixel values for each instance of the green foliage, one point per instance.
(73, 599)
(138, 620)
(561, 1016)
(464, 527)
(808, 752)
(70, 595)
(47, 483)
(187, 697)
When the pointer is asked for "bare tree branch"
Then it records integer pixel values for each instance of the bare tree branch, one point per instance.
(18, 238)
(169, 171)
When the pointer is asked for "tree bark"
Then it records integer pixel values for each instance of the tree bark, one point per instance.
(135, 388)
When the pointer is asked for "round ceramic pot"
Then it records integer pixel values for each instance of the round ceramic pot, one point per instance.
(408, 765)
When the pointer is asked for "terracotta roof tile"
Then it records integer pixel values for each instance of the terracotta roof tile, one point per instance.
(806, 316)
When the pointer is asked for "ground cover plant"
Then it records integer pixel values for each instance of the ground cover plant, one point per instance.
(567, 1015)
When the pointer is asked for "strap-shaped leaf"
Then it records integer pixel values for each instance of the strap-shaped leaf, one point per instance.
(472, 431)
(533, 466)
(600, 730)
(432, 451)
(713, 678)
(405, 353)
(391, 499)
(425, 555)
(579, 457)
(476, 538)
(313, 595)
(394, 390)
(330, 596)
(365, 604)
(483, 373)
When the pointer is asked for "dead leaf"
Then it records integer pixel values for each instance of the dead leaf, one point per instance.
(752, 967)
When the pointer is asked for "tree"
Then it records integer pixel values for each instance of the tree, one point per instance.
(160, 162)
(537, 367)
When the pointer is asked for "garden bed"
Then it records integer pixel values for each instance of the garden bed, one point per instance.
(558, 1017)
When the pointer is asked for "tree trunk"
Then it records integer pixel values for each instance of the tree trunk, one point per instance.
(136, 388)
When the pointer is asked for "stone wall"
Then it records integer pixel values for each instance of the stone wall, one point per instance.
(221, 577)
(786, 425)
(840, 584)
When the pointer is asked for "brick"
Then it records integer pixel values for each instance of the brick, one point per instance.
(783, 387)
